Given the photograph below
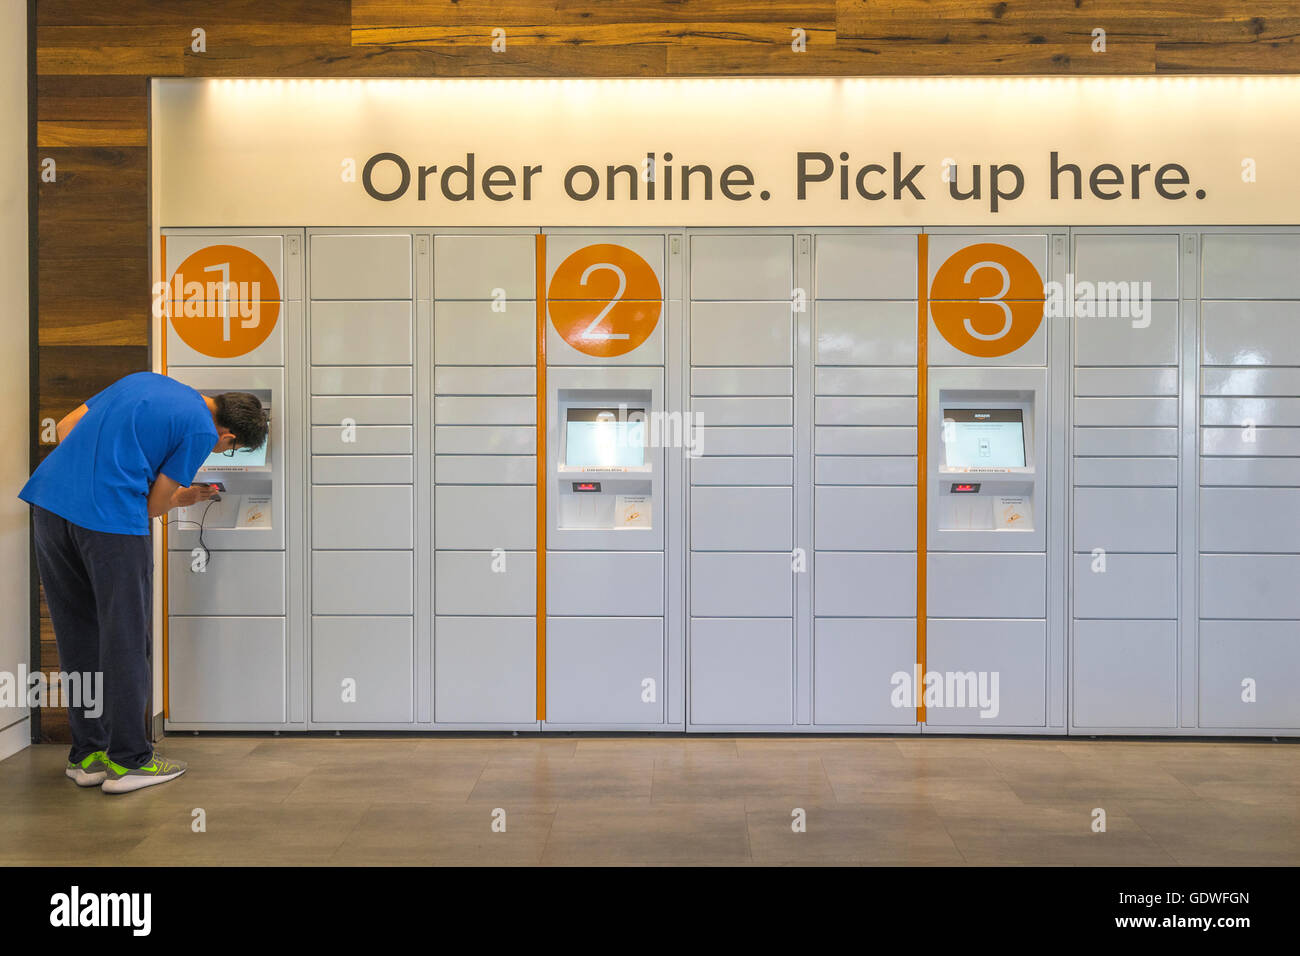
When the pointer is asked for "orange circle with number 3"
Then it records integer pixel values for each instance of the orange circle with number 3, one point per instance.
(604, 300)
(987, 300)
(224, 301)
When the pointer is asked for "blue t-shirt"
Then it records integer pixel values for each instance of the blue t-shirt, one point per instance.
(100, 474)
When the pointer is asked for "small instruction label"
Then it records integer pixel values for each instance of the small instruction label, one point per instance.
(1012, 513)
(632, 511)
(256, 512)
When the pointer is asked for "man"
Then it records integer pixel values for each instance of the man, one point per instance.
(127, 455)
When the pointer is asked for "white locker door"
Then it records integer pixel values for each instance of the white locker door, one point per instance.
(485, 472)
(362, 334)
(1126, 396)
(864, 491)
(741, 630)
(1249, 633)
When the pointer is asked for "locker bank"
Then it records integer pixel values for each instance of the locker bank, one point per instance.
(904, 479)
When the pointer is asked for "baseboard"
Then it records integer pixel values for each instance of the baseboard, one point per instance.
(17, 736)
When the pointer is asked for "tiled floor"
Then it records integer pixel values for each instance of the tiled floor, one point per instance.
(605, 800)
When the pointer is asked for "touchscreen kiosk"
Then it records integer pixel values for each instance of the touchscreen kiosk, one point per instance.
(985, 473)
(246, 477)
(603, 477)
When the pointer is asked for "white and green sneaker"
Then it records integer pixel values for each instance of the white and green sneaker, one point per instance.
(158, 770)
(90, 771)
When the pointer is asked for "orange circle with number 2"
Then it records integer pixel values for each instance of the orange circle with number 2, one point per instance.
(224, 301)
(604, 300)
(987, 299)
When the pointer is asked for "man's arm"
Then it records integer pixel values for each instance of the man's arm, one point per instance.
(185, 458)
(66, 424)
(161, 493)
(166, 494)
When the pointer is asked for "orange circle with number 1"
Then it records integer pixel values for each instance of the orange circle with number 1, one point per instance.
(987, 300)
(223, 301)
(604, 300)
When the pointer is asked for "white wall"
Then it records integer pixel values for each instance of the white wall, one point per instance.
(155, 358)
(15, 730)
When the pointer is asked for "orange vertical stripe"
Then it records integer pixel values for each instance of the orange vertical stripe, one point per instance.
(541, 475)
(162, 340)
(922, 368)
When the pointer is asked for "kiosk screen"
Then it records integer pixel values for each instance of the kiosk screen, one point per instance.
(984, 437)
(605, 437)
(243, 459)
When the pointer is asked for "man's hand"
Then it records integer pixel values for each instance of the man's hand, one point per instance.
(184, 497)
(165, 494)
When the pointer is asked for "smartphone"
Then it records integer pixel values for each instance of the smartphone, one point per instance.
(216, 485)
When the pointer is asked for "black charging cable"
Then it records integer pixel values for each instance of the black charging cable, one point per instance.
(200, 524)
(207, 553)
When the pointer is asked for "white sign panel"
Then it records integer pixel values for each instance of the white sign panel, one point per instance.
(728, 152)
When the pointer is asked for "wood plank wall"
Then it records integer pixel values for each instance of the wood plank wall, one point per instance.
(93, 61)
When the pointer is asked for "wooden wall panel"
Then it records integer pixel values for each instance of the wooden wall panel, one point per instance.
(898, 58)
(520, 60)
(93, 110)
(371, 14)
(94, 59)
(1273, 56)
(113, 51)
(145, 15)
(93, 281)
(587, 35)
(72, 373)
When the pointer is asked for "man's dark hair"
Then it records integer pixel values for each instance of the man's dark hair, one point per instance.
(242, 414)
